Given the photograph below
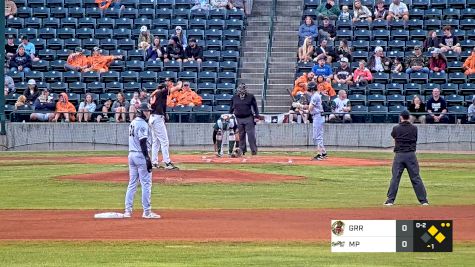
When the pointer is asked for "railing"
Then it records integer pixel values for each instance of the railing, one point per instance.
(268, 51)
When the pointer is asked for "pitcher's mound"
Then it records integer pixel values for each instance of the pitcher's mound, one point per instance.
(188, 177)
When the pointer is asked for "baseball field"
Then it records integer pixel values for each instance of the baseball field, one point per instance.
(273, 209)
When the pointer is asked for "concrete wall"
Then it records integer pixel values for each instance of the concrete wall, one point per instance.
(112, 136)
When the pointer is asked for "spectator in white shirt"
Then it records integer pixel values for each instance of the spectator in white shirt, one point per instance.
(398, 10)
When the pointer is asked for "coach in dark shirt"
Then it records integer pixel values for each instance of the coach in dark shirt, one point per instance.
(244, 108)
(405, 137)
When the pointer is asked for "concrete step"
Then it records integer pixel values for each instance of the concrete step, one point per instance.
(287, 43)
(251, 64)
(260, 34)
(252, 75)
(283, 49)
(258, 26)
(252, 70)
(251, 80)
(285, 81)
(257, 43)
(284, 54)
(283, 59)
(279, 87)
(253, 59)
(255, 54)
(254, 49)
(280, 75)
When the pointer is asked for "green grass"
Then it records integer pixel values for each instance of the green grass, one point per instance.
(215, 254)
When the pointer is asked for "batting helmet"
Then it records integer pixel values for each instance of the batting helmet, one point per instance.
(311, 86)
(143, 107)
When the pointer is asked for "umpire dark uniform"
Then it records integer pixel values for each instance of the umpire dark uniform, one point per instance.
(244, 108)
(405, 136)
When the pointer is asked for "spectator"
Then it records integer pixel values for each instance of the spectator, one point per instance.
(9, 85)
(106, 112)
(105, 4)
(201, 4)
(77, 61)
(307, 29)
(380, 11)
(20, 102)
(306, 50)
(328, 9)
(139, 98)
(361, 12)
(10, 9)
(438, 62)
(327, 30)
(44, 105)
(188, 97)
(432, 41)
(344, 50)
(121, 106)
(64, 109)
(450, 42)
(300, 108)
(154, 52)
(221, 4)
(469, 64)
(362, 75)
(29, 48)
(471, 111)
(193, 52)
(397, 67)
(172, 99)
(324, 51)
(173, 50)
(322, 69)
(398, 10)
(181, 37)
(20, 61)
(300, 86)
(86, 108)
(343, 73)
(145, 38)
(417, 106)
(31, 93)
(238, 4)
(345, 14)
(10, 47)
(378, 62)
(324, 87)
(437, 108)
(341, 108)
(100, 63)
(417, 62)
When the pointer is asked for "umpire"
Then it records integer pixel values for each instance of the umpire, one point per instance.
(405, 137)
(244, 108)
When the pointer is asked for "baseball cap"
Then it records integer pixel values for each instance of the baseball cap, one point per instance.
(417, 47)
(97, 49)
(31, 82)
(143, 28)
(24, 37)
(344, 59)
(192, 40)
(78, 50)
(178, 28)
(144, 107)
(10, 36)
(186, 84)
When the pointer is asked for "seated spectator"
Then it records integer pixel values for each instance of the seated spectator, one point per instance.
(432, 41)
(341, 108)
(172, 98)
(77, 61)
(308, 29)
(64, 109)
(344, 50)
(44, 105)
(471, 111)
(139, 98)
(398, 10)
(193, 52)
(105, 4)
(362, 75)
(322, 69)
(173, 51)
(417, 62)
(10, 47)
(201, 4)
(238, 4)
(361, 12)
(181, 37)
(300, 108)
(397, 66)
(21, 101)
(145, 38)
(324, 87)
(417, 106)
(86, 108)
(328, 9)
(380, 11)
(221, 4)
(10, 9)
(327, 30)
(106, 111)
(121, 106)
(154, 52)
(324, 51)
(29, 48)
(469, 64)
(378, 62)
(100, 63)
(343, 74)
(437, 108)
(345, 13)
(300, 85)
(188, 97)
(20, 61)
(31, 93)
(306, 51)
(9, 85)
(437, 62)
(449, 42)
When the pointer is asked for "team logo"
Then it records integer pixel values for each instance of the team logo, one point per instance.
(338, 228)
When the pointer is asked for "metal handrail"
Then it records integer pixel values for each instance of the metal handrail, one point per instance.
(268, 51)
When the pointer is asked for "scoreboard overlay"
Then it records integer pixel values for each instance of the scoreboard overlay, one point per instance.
(391, 235)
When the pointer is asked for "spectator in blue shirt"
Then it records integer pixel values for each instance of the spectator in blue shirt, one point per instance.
(322, 69)
(29, 48)
(308, 29)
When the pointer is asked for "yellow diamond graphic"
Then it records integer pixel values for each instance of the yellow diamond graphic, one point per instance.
(432, 230)
(440, 237)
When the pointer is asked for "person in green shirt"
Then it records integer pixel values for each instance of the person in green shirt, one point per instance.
(328, 9)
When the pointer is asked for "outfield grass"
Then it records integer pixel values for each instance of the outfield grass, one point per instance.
(215, 254)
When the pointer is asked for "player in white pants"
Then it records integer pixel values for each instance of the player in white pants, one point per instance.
(316, 109)
(140, 166)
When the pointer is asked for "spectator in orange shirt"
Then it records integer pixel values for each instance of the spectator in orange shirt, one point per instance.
(100, 63)
(188, 97)
(324, 87)
(300, 86)
(172, 99)
(77, 61)
(469, 64)
(64, 109)
(105, 4)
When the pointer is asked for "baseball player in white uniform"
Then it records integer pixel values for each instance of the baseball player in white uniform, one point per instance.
(140, 166)
(316, 109)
